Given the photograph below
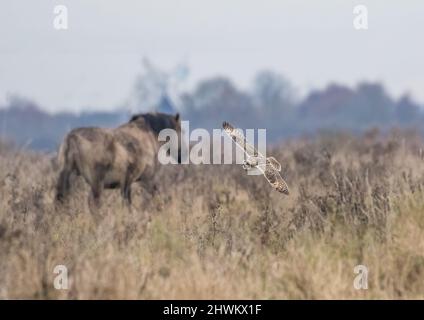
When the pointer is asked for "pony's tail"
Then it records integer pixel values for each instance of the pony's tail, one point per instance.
(61, 155)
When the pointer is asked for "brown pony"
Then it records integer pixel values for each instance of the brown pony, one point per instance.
(114, 158)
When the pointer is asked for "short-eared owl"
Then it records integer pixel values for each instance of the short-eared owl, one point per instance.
(270, 167)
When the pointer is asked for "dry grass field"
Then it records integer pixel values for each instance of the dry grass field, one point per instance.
(212, 232)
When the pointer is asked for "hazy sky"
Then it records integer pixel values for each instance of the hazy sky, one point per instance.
(94, 63)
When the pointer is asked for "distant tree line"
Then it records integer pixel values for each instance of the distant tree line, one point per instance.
(270, 103)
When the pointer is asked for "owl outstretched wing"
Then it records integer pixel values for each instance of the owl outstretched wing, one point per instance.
(238, 137)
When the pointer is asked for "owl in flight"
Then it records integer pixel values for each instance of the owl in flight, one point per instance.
(269, 167)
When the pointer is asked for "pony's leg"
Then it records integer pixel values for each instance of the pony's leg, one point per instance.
(126, 188)
(97, 186)
(96, 192)
(126, 191)
(63, 184)
(94, 200)
(128, 194)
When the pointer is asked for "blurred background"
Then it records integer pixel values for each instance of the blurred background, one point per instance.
(292, 67)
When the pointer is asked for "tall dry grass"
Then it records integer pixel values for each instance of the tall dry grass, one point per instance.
(213, 232)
